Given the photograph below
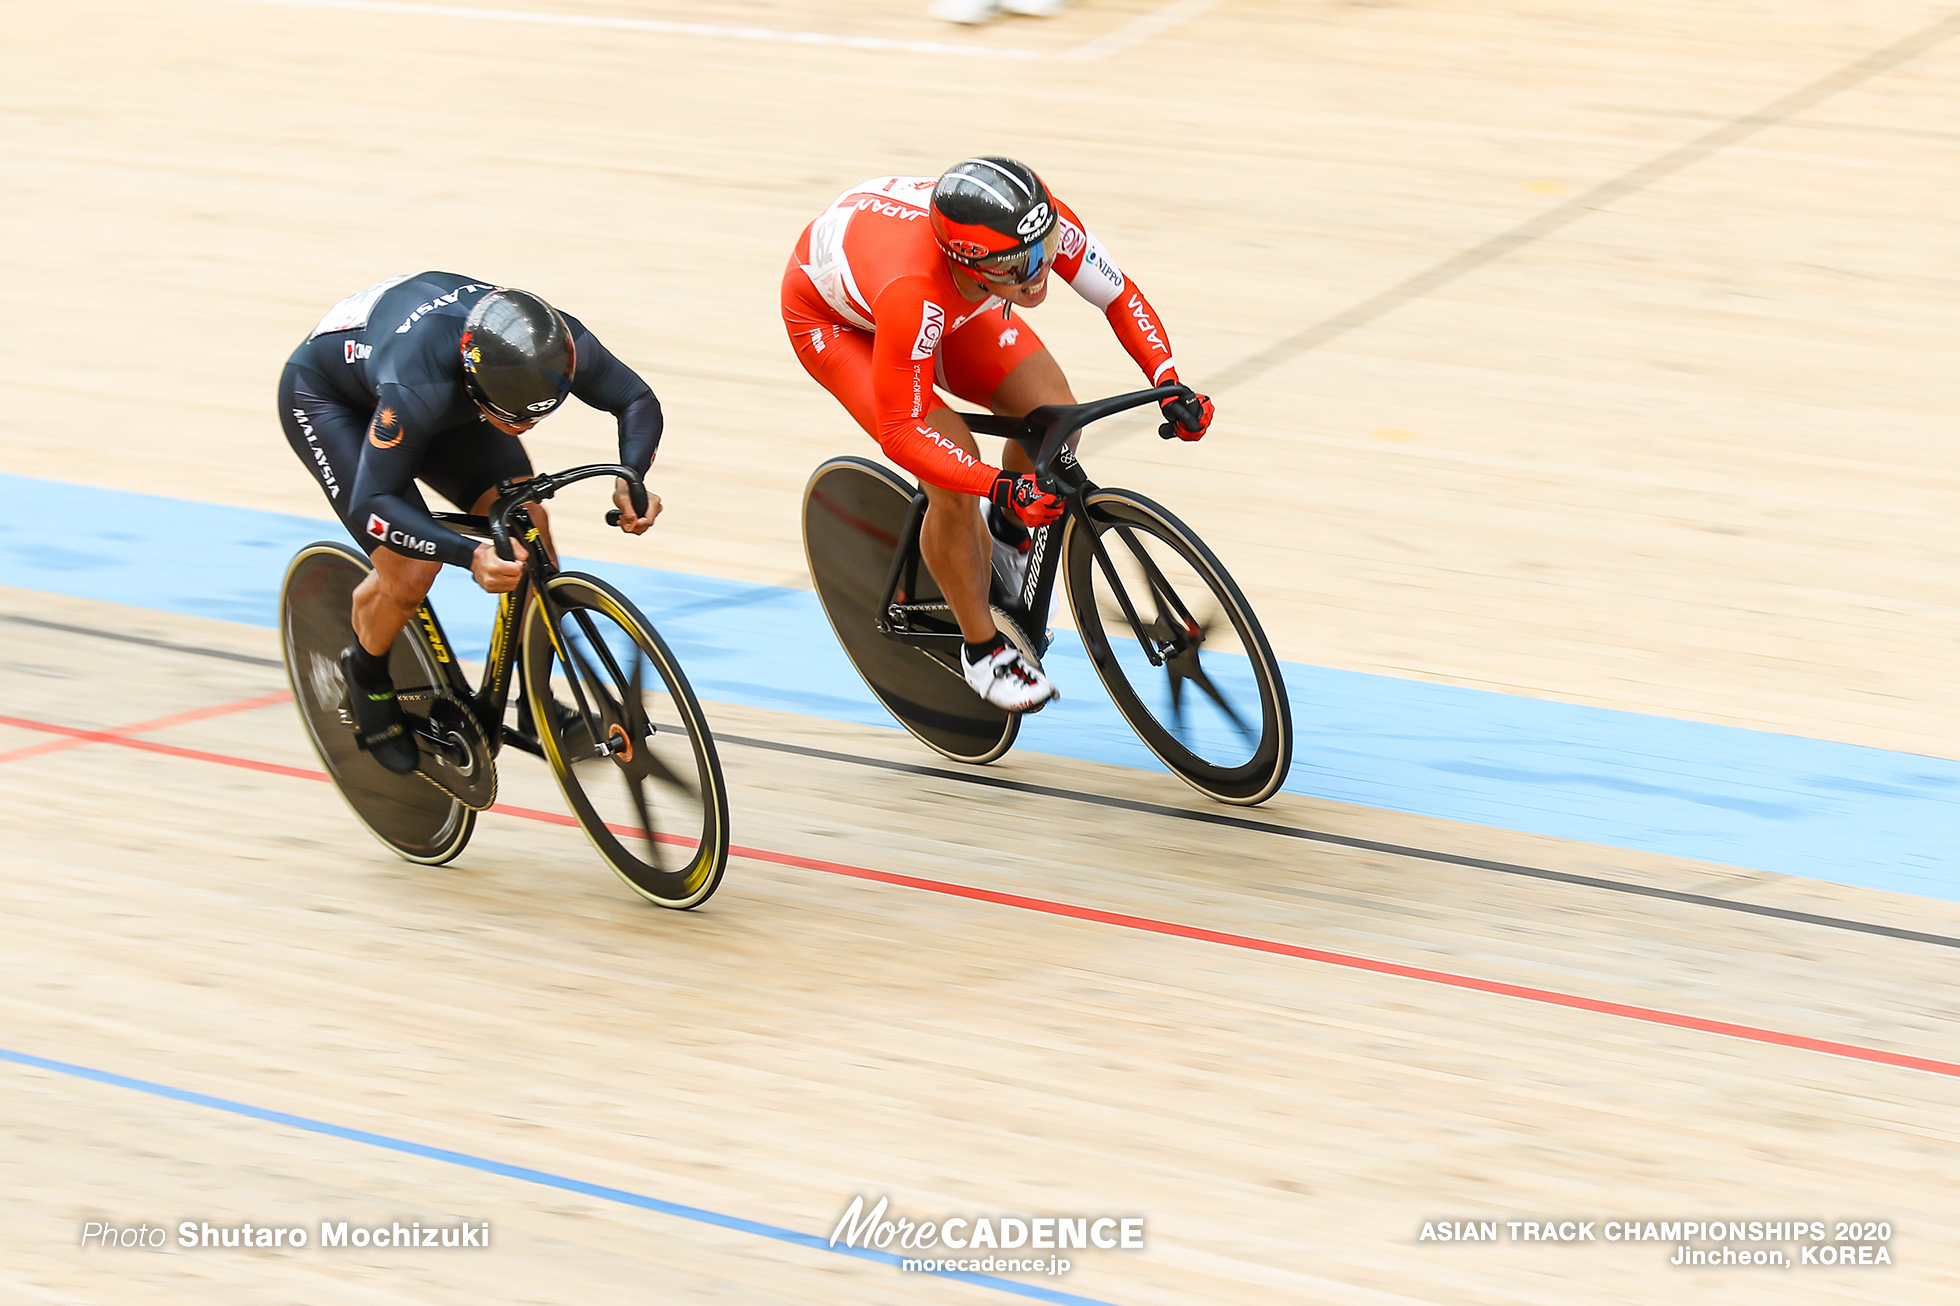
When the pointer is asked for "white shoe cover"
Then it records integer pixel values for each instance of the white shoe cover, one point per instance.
(965, 11)
(1008, 680)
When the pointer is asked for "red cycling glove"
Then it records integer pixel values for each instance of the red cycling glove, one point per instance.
(1024, 497)
(1189, 418)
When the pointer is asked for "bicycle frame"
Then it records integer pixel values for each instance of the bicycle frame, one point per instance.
(1045, 433)
(491, 698)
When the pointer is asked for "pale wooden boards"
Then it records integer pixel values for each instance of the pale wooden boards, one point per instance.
(1689, 454)
(1284, 1125)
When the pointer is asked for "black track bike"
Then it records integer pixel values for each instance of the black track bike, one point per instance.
(600, 698)
(1165, 626)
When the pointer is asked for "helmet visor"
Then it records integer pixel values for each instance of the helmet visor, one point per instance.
(1016, 267)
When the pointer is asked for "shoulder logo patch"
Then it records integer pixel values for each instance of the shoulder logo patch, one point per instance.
(384, 420)
(931, 326)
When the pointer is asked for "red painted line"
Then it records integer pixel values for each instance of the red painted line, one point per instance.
(533, 814)
(78, 739)
(1145, 925)
(1549, 997)
(624, 831)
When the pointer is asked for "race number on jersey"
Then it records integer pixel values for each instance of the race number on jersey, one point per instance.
(351, 313)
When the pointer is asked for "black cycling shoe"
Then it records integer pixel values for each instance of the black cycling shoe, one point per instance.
(380, 725)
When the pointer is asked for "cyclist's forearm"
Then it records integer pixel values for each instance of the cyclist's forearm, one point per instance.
(392, 521)
(1142, 334)
(640, 426)
(925, 449)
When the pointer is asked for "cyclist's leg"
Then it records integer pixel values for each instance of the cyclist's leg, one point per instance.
(388, 596)
(324, 433)
(1034, 381)
(465, 466)
(953, 541)
(1004, 366)
(327, 434)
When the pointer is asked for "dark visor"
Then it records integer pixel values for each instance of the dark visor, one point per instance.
(1015, 266)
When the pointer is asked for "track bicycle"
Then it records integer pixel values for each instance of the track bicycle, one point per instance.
(1169, 632)
(600, 698)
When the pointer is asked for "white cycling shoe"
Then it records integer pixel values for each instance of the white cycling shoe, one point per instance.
(979, 11)
(965, 11)
(1009, 680)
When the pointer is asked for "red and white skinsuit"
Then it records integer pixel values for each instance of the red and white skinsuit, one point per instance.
(876, 318)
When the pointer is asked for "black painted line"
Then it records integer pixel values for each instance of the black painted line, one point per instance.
(1186, 814)
(1606, 193)
(145, 641)
(1346, 841)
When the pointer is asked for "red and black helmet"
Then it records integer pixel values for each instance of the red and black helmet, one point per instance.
(994, 218)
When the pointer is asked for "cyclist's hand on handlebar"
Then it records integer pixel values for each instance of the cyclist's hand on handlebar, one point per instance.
(1189, 418)
(494, 574)
(629, 521)
(1024, 497)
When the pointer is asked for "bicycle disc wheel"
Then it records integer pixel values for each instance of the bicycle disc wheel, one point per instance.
(853, 512)
(417, 820)
(1212, 705)
(653, 803)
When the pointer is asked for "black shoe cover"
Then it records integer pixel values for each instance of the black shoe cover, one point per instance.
(380, 726)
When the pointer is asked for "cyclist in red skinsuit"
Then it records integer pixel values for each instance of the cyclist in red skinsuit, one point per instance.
(905, 283)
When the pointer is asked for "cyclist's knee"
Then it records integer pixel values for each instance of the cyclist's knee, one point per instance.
(402, 582)
(949, 506)
(1035, 380)
(489, 496)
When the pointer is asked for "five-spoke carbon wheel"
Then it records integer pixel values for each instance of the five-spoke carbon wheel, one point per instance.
(626, 739)
(1178, 648)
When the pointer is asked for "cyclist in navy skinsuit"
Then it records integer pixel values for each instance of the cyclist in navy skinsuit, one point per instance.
(432, 377)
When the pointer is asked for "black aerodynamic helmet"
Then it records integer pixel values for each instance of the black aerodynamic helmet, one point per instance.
(517, 356)
(994, 218)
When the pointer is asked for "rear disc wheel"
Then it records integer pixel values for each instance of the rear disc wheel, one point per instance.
(408, 813)
(853, 514)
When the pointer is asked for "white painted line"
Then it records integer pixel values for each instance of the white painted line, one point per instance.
(1139, 29)
(706, 31)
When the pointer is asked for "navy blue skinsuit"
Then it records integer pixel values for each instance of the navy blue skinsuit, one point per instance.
(374, 401)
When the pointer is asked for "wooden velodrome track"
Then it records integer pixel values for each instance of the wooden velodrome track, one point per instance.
(1595, 352)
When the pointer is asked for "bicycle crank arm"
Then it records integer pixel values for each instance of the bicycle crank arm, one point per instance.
(444, 745)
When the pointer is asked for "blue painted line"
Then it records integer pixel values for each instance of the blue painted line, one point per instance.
(541, 1177)
(1807, 807)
